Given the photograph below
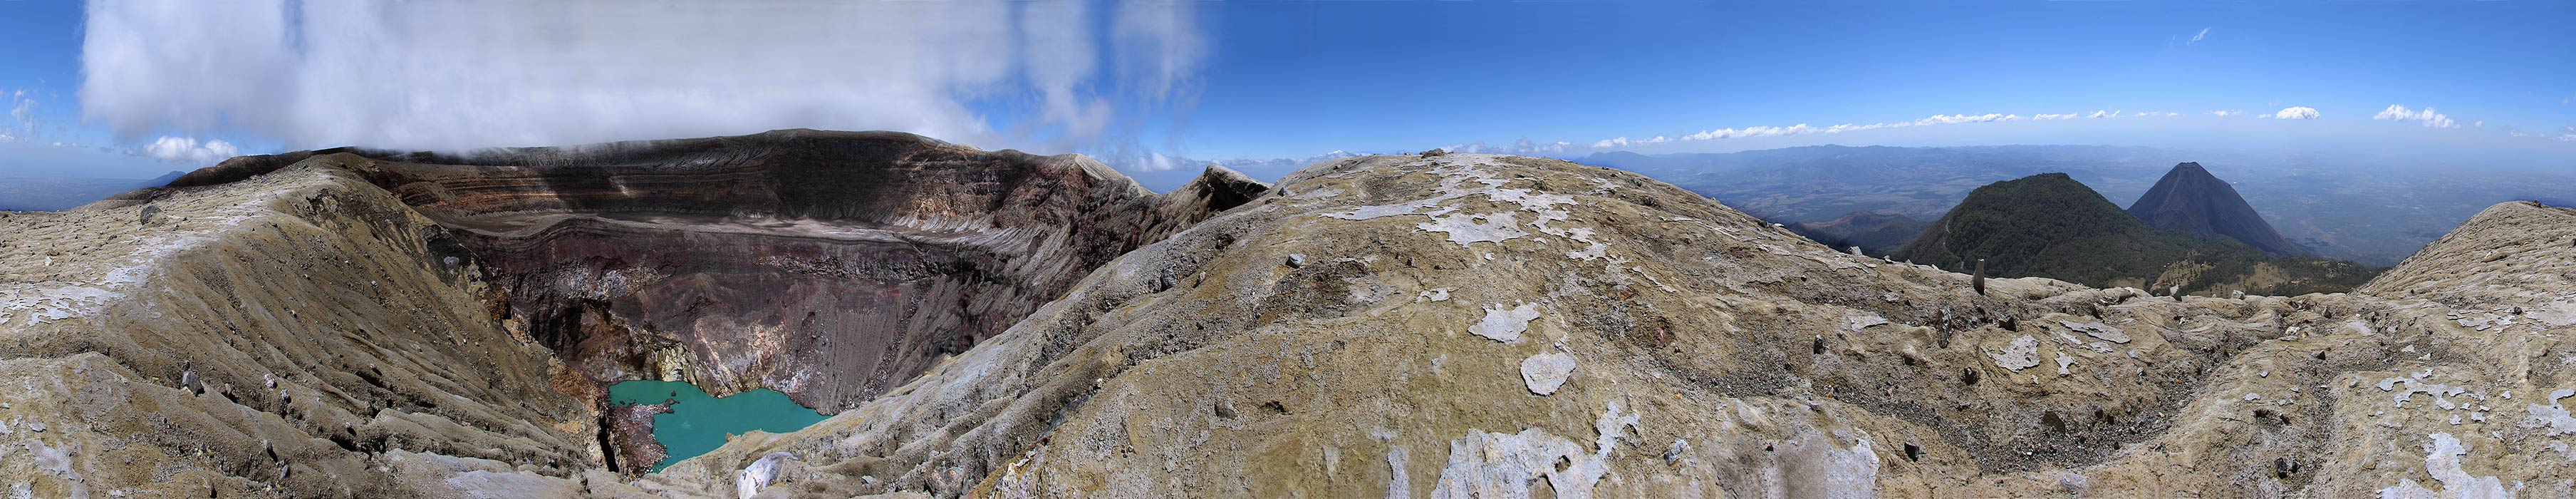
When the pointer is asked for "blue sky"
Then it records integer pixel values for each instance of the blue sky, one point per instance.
(145, 87)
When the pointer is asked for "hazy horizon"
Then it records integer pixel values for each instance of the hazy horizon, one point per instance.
(134, 89)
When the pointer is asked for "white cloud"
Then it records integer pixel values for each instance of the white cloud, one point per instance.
(2046, 116)
(189, 150)
(22, 110)
(2227, 112)
(2195, 37)
(2427, 116)
(2103, 114)
(2294, 113)
(1963, 118)
(1806, 129)
(439, 75)
(1525, 147)
(2152, 114)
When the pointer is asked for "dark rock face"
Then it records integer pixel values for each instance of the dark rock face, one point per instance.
(826, 265)
(2192, 201)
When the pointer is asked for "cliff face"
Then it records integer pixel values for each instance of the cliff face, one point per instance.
(826, 265)
(1378, 326)
(2190, 200)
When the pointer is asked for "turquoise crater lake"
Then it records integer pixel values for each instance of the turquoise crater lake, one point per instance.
(698, 423)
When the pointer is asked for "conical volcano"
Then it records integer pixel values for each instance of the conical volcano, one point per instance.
(2192, 201)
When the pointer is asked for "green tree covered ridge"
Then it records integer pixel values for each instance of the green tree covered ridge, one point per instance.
(2049, 225)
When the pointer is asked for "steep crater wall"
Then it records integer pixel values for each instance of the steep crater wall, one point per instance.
(826, 265)
(301, 334)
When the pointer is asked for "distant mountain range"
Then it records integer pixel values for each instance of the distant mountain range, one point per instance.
(2050, 225)
(2371, 210)
(52, 194)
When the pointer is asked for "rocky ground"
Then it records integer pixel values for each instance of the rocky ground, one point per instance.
(300, 334)
(1444, 326)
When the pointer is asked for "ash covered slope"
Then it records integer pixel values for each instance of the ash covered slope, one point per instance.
(1460, 324)
(301, 334)
(2190, 200)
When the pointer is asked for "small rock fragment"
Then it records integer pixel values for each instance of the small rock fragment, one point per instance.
(1505, 325)
(1544, 373)
(2021, 353)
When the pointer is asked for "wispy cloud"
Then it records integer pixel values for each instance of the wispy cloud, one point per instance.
(1806, 129)
(2427, 116)
(22, 112)
(2227, 112)
(2103, 114)
(1525, 147)
(2046, 116)
(190, 150)
(2195, 37)
(430, 75)
(2566, 134)
(2294, 113)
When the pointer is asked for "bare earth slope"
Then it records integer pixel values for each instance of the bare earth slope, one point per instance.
(1452, 326)
(296, 335)
(1485, 326)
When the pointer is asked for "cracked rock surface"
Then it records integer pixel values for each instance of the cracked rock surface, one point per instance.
(1402, 351)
